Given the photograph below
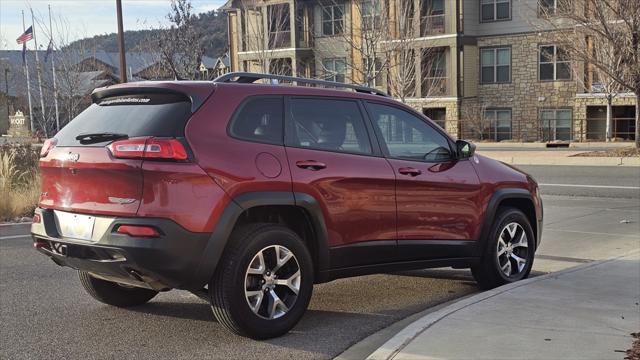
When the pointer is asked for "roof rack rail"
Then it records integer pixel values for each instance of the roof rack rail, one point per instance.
(249, 78)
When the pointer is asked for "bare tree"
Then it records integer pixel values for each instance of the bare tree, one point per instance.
(473, 117)
(73, 85)
(610, 24)
(380, 42)
(179, 45)
(266, 28)
(593, 79)
(401, 79)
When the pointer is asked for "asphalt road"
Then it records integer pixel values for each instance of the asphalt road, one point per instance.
(45, 313)
(591, 181)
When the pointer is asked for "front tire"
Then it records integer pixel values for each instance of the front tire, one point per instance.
(113, 294)
(509, 251)
(263, 283)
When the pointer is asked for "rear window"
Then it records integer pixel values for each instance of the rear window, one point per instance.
(160, 115)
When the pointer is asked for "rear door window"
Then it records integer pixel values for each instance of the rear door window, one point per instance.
(328, 124)
(259, 119)
(159, 115)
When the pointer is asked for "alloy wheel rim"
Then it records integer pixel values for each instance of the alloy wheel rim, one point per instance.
(512, 249)
(272, 282)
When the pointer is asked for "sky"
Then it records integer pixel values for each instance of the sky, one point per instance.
(85, 18)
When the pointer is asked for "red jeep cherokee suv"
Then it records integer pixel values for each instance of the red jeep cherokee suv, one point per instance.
(247, 194)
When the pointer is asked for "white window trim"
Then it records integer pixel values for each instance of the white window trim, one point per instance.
(495, 10)
(554, 61)
(331, 74)
(333, 19)
(495, 65)
(494, 125)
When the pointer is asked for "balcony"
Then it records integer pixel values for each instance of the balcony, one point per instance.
(279, 39)
(432, 25)
(434, 86)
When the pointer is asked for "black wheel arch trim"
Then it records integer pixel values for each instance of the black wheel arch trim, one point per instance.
(494, 203)
(218, 240)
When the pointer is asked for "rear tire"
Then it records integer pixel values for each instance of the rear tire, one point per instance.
(113, 294)
(508, 255)
(263, 282)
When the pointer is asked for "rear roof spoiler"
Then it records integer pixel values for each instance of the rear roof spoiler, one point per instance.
(101, 93)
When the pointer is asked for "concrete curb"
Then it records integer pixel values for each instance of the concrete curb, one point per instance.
(568, 161)
(537, 145)
(14, 229)
(394, 345)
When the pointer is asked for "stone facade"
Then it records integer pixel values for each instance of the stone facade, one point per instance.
(452, 106)
(525, 95)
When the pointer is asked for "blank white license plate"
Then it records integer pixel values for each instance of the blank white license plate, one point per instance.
(75, 225)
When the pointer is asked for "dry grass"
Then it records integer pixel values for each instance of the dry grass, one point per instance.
(19, 186)
(619, 152)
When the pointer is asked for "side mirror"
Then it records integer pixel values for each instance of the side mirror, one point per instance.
(465, 149)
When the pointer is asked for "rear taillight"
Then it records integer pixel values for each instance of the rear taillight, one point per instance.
(48, 145)
(138, 230)
(149, 148)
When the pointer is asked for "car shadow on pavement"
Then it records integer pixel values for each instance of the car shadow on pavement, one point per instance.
(198, 310)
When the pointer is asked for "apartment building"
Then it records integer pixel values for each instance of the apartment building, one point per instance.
(483, 69)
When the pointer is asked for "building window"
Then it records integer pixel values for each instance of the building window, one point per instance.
(332, 20)
(437, 115)
(498, 122)
(553, 7)
(334, 69)
(374, 70)
(434, 72)
(279, 26)
(496, 65)
(431, 17)
(371, 14)
(405, 12)
(494, 10)
(554, 63)
(555, 124)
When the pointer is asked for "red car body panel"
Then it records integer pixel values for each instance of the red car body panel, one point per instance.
(356, 193)
(441, 203)
(95, 183)
(238, 166)
(361, 199)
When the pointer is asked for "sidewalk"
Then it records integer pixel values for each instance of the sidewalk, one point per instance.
(556, 157)
(585, 312)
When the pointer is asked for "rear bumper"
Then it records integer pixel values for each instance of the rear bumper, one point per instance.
(168, 261)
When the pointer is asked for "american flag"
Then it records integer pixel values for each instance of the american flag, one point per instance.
(26, 36)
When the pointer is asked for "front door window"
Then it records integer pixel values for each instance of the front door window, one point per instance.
(408, 137)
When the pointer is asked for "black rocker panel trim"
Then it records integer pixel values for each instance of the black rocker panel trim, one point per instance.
(398, 266)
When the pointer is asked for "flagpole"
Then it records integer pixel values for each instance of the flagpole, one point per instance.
(39, 70)
(26, 69)
(53, 70)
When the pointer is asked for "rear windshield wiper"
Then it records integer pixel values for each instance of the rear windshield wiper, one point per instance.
(100, 137)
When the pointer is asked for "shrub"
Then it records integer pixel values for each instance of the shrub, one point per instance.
(19, 181)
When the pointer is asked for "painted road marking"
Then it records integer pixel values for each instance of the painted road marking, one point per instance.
(595, 186)
(13, 237)
(591, 233)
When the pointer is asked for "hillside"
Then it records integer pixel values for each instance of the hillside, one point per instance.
(214, 36)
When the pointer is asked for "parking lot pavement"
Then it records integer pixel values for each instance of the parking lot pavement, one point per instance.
(45, 313)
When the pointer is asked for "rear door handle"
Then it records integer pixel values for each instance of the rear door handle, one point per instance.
(409, 171)
(310, 165)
